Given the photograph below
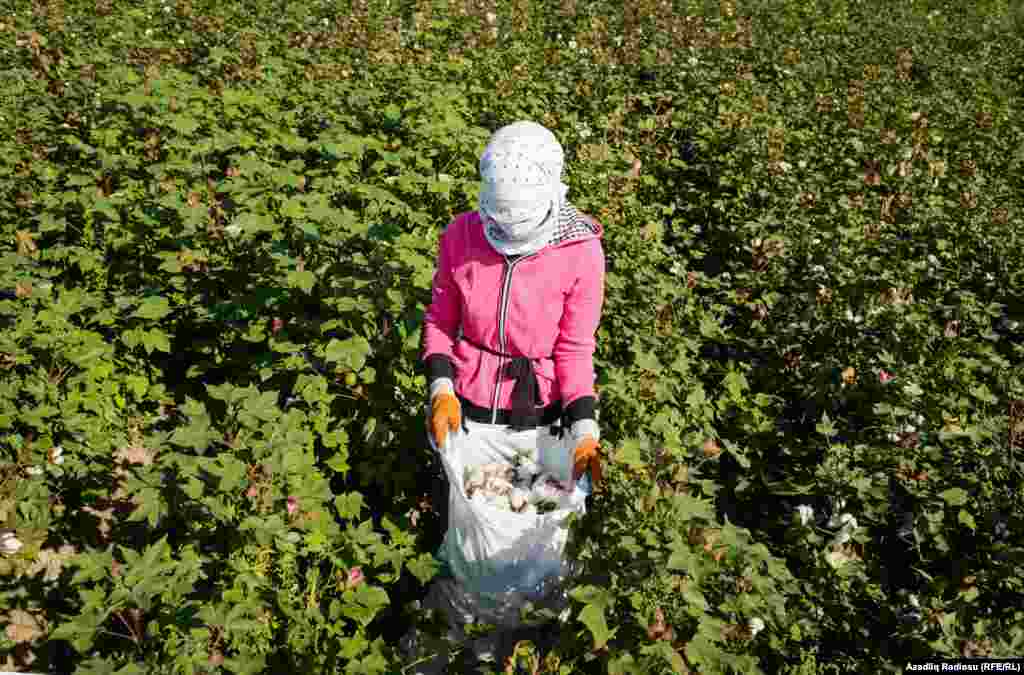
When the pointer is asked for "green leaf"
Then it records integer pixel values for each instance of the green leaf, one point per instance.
(680, 559)
(592, 616)
(196, 435)
(649, 362)
(349, 505)
(696, 398)
(688, 507)
(153, 308)
(735, 383)
(629, 453)
(365, 603)
(310, 230)
(588, 595)
(152, 507)
(913, 390)
(253, 223)
(965, 518)
(350, 353)
(826, 427)
(339, 462)
(625, 664)
(424, 567)
(304, 280)
(954, 496)
(262, 407)
(156, 340)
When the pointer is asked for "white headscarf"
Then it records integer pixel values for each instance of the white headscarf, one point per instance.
(521, 190)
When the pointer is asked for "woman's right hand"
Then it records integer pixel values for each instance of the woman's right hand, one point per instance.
(445, 416)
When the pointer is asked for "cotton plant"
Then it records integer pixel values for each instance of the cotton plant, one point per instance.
(841, 520)
(847, 525)
(911, 425)
(55, 457)
(804, 514)
(9, 543)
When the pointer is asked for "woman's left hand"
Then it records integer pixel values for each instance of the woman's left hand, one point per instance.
(587, 456)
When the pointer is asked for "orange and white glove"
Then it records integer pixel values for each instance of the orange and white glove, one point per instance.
(587, 454)
(445, 412)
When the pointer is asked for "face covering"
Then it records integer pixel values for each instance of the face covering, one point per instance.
(521, 192)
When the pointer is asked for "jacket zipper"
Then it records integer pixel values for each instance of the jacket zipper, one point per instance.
(502, 315)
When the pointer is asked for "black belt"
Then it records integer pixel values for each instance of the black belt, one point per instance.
(525, 413)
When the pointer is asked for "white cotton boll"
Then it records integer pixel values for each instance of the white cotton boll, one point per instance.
(546, 489)
(474, 486)
(844, 520)
(9, 544)
(804, 514)
(546, 477)
(493, 471)
(527, 471)
(474, 481)
(518, 499)
(756, 626)
(501, 486)
(494, 486)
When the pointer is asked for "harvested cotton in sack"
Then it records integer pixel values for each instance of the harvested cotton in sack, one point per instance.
(499, 558)
(520, 486)
(490, 549)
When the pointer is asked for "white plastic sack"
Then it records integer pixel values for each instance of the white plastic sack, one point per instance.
(499, 559)
(502, 558)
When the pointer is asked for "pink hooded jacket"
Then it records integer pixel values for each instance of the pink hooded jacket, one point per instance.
(545, 306)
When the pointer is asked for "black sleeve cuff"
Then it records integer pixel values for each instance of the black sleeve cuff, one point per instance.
(438, 366)
(582, 408)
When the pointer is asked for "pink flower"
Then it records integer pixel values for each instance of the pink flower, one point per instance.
(885, 376)
(293, 505)
(355, 577)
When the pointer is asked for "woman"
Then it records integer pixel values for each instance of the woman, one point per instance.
(510, 333)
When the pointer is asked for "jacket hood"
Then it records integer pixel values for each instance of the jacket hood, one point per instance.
(573, 225)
